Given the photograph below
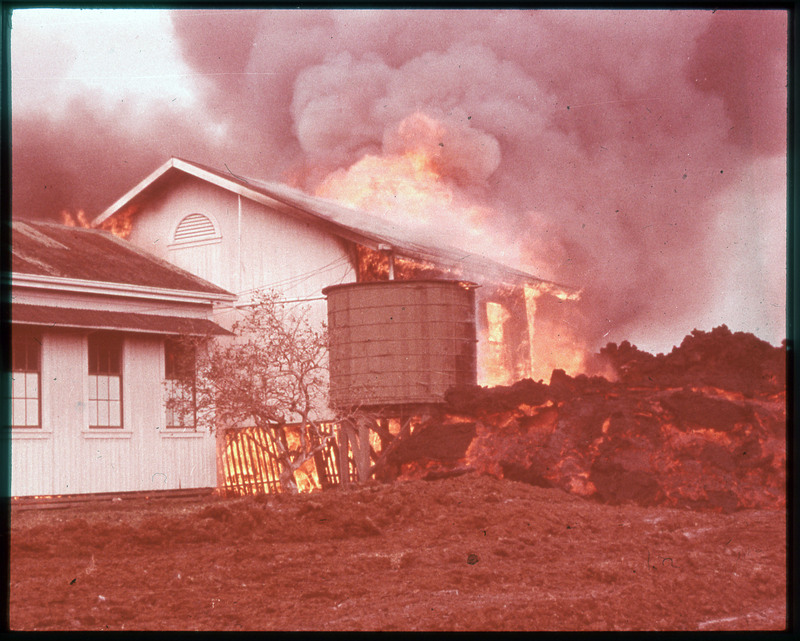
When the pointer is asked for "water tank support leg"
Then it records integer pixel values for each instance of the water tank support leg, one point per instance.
(344, 455)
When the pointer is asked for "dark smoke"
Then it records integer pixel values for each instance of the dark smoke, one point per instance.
(604, 142)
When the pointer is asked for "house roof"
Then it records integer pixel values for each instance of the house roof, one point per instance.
(357, 226)
(65, 317)
(62, 252)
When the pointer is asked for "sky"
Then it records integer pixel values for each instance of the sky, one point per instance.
(638, 155)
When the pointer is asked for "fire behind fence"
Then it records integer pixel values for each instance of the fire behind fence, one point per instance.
(249, 462)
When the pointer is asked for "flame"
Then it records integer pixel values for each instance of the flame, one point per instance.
(78, 220)
(120, 224)
(493, 365)
(406, 183)
(690, 465)
(414, 183)
(248, 471)
(409, 187)
(496, 316)
(563, 351)
(372, 265)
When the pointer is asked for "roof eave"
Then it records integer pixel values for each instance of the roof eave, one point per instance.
(75, 285)
(132, 193)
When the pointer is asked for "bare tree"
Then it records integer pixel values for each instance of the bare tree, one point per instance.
(272, 374)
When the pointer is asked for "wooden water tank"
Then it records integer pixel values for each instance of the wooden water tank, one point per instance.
(400, 343)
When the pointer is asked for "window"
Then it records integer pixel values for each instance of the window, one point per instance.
(179, 384)
(25, 379)
(105, 380)
(195, 228)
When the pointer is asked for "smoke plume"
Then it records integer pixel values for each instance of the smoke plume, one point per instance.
(608, 149)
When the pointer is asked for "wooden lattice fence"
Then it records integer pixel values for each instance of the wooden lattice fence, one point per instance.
(249, 462)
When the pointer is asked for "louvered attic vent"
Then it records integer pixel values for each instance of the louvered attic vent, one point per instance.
(195, 227)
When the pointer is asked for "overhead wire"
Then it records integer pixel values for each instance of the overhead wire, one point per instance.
(294, 280)
(298, 278)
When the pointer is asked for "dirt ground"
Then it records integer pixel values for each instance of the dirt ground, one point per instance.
(466, 553)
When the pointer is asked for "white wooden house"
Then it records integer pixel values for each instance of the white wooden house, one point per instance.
(245, 234)
(92, 365)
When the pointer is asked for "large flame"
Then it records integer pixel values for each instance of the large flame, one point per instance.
(415, 183)
(249, 462)
(405, 185)
(492, 364)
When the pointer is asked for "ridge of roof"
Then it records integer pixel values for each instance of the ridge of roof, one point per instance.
(361, 227)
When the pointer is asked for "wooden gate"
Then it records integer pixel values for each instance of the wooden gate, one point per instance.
(249, 462)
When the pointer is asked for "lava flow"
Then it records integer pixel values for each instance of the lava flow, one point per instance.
(703, 427)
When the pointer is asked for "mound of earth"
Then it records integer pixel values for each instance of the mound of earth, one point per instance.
(466, 553)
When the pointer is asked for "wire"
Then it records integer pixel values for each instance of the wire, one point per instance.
(299, 277)
(293, 281)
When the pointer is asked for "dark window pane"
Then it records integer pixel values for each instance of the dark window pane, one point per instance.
(113, 361)
(24, 352)
(104, 354)
(179, 360)
(179, 371)
(25, 365)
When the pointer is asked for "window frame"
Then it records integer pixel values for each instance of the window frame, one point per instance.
(30, 338)
(178, 382)
(111, 369)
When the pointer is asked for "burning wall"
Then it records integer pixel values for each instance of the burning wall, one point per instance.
(524, 330)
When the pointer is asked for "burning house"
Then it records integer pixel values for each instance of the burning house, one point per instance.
(247, 235)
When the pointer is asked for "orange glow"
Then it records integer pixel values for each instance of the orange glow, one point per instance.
(373, 265)
(513, 347)
(570, 358)
(719, 393)
(78, 220)
(405, 184)
(406, 187)
(249, 466)
(415, 185)
(415, 470)
(493, 366)
(555, 352)
(496, 316)
(120, 224)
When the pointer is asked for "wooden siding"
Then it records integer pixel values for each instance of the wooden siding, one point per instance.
(259, 247)
(156, 219)
(202, 260)
(65, 393)
(66, 457)
(187, 460)
(296, 257)
(31, 459)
